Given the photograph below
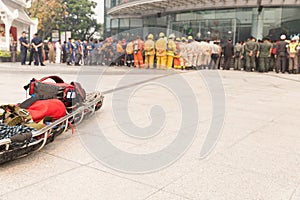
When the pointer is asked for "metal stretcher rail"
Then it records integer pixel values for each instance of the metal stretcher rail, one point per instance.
(88, 108)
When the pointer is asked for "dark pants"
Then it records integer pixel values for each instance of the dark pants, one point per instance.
(250, 62)
(227, 62)
(272, 63)
(281, 64)
(23, 56)
(38, 56)
(90, 57)
(213, 62)
(120, 59)
(264, 64)
(77, 58)
(69, 57)
(64, 57)
(31, 55)
(130, 60)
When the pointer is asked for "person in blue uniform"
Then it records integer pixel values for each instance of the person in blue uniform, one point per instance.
(37, 44)
(69, 51)
(24, 47)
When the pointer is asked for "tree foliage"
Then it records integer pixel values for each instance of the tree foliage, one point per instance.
(76, 16)
(49, 14)
(79, 18)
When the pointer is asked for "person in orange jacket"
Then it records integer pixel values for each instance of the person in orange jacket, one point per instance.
(177, 55)
(138, 48)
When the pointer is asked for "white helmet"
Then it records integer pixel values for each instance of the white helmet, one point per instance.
(282, 37)
(172, 36)
(295, 38)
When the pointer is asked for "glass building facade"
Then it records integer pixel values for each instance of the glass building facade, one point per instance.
(215, 24)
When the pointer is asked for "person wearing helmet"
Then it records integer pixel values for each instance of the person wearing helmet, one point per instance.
(190, 51)
(204, 55)
(199, 49)
(129, 54)
(281, 54)
(138, 48)
(149, 52)
(177, 54)
(251, 48)
(293, 58)
(183, 52)
(161, 52)
(171, 51)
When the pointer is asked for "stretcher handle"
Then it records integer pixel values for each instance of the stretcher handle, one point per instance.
(57, 79)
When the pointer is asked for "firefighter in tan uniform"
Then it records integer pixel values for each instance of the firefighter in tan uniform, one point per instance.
(129, 55)
(149, 52)
(171, 51)
(161, 52)
(206, 53)
(190, 52)
(199, 54)
(293, 58)
(183, 52)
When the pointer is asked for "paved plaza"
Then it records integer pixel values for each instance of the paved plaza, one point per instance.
(254, 155)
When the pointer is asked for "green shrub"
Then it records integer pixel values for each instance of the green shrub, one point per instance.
(4, 54)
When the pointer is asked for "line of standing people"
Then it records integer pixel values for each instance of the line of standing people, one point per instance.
(263, 56)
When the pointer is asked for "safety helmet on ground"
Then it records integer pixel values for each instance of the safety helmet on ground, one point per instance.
(190, 37)
(282, 37)
(150, 37)
(172, 36)
(161, 34)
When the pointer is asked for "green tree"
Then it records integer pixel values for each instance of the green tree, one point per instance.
(79, 18)
(49, 14)
(76, 16)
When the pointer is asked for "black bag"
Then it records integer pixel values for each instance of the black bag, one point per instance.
(71, 94)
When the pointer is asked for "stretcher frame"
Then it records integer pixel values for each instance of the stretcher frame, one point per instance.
(8, 152)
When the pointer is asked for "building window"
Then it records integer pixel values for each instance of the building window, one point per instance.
(136, 23)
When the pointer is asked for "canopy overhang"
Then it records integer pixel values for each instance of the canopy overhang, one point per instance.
(141, 8)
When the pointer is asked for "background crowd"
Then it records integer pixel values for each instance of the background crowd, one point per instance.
(170, 52)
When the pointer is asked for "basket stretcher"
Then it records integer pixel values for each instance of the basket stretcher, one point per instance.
(10, 151)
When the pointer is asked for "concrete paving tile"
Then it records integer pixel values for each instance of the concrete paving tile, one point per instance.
(210, 181)
(276, 137)
(158, 178)
(164, 195)
(296, 194)
(30, 170)
(63, 147)
(84, 183)
(165, 174)
(256, 158)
